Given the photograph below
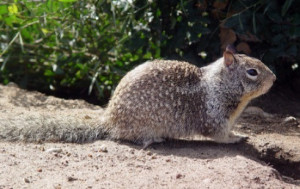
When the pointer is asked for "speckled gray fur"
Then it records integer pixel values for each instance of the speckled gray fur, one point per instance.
(162, 99)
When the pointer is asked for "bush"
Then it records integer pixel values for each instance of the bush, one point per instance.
(64, 45)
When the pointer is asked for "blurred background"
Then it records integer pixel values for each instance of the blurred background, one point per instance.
(81, 49)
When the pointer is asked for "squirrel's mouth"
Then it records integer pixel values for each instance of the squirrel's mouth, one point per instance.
(267, 85)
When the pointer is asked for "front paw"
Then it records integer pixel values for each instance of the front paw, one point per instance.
(236, 138)
(231, 138)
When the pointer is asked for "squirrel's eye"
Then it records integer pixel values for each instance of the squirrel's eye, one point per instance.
(252, 72)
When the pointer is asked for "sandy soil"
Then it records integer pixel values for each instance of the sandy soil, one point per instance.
(269, 159)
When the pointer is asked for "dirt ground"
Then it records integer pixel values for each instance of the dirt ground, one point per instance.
(269, 159)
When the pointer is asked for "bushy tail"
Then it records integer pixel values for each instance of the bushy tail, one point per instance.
(52, 127)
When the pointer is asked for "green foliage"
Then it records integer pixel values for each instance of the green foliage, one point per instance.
(64, 44)
(82, 47)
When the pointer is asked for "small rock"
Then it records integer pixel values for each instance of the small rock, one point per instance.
(57, 187)
(87, 117)
(289, 119)
(26, 180)
(99, 155)
(103, 148)
(207, 180)
(56, 150)
(65, 163)
(148, 167)
(39, 170)
(149, 153)
(57, 155)
(179, 176)
(71, 179)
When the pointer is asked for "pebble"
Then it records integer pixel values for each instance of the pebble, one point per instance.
(289, 119)
(87, 117)
(26, 180)
(70, 179)
(103, 148)
(149, 153)
(56, 150)
(57, 187)
(179, 176)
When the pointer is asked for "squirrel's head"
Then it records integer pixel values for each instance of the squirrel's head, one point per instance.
(255, 77)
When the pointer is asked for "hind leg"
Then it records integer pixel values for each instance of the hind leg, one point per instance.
(229, 138)
(148, 142)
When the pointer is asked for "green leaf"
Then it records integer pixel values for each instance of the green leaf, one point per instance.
(286, 7)
(3, 9)
(13, 9)
(27, 36)
(45, 31)
(8, 21)
(158, 13)
(49, 73)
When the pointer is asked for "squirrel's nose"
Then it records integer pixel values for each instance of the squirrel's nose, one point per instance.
(273, 77)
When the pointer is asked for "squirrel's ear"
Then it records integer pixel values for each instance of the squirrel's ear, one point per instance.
(229, 55)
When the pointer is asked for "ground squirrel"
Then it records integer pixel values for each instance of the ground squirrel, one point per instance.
(162, 99)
